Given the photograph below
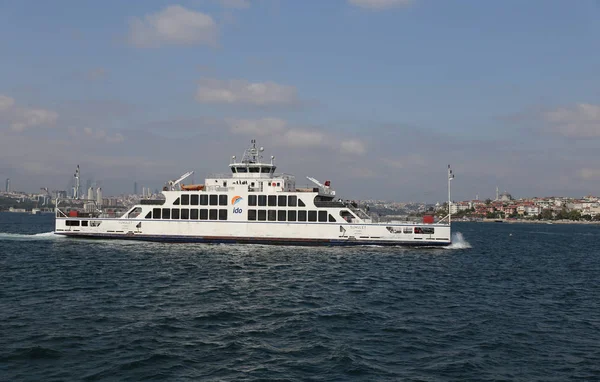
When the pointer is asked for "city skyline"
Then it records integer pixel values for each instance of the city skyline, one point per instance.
(376, 96)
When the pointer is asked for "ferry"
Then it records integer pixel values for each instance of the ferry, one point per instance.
(252, 204)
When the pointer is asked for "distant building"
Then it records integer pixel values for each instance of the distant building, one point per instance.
(7, 184)
(135, 188)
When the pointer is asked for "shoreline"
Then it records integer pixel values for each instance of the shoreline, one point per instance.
(550, 222)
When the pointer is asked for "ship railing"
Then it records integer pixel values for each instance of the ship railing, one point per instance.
(86, 208)
(253, 175)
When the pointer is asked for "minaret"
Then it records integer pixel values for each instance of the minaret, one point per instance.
(497, 193)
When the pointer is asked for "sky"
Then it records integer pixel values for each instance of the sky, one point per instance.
(377, 96)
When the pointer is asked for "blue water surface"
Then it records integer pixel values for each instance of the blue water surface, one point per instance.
(509, 302)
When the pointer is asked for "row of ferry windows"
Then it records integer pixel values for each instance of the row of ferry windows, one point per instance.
(187, 213)
(253, 200)
(275, 200)
(289, 215)
(202, 200)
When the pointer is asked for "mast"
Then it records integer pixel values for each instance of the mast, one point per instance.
(450, 177)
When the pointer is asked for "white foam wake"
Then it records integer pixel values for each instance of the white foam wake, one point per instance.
(35, 236)
(458, 242)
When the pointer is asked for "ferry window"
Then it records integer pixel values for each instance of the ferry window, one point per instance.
(428, 230)
(194, 214)
(272, 200)
(176, 202)
(322, 216)
(148, 215)
(265, 170)
(242, 169)
(84, 223)
(185, 200)
(185, 213)
(213, 200)
(222, 200)
(291, 216)
(301, 203)
(252, 215)
(251, 200)
(204, 214)
(418, 230)
(204, 200)
(408, 230)
(301, 216)
(73, 223)
(156, 213)
(166, 213)
(292, 200)
(262, 215)
(212, 214)
(272, 215)
(223, 214)
(254, 169)
(134, 213)
(194, 200)
(331, 218)
(262, 200)
(233, 170)
(175, 213)
(312, 216)
(278, 184)
(281, 214)
(282, 200)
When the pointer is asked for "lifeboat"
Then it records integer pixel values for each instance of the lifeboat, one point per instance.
(192, 187)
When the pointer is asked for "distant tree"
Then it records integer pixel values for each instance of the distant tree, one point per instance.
(587, 217)
(546, 214)
(574, 215)
(488, 201)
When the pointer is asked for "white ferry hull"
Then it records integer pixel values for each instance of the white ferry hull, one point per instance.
(314, 234)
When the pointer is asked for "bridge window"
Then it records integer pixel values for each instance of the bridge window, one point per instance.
(166, 213)
(254, 169)
(281, 215)
(185, 213)
(265, 170)
(222, 200)
(252, 215)
(272, 215)
(292, 200)
(222, 214)
(242, 169)
(204, 214)
(194, 214)
(233, 170)
(204, 200)
(262, 215)
(262, 200)
(272, 199)
(282, 200)
(312, 216)
(291, 216)
(212, 214)
(322, 216)
(302, 216)
(251, 200)
(194, 200)
(185, 200)
(213, 200)
(175, 213)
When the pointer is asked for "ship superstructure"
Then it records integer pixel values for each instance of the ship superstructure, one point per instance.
(250, 204)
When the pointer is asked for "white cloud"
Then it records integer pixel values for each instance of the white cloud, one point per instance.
(589, 173)
(303, 138)
(20, 118)
(245, 92)
(579, 121)
(173, 25)
(353, 146)
(259, 127)
(97, 135)
(379, 4)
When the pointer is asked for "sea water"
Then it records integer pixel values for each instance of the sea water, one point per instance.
(514, 302)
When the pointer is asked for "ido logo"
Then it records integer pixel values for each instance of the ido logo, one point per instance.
(235, 200)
